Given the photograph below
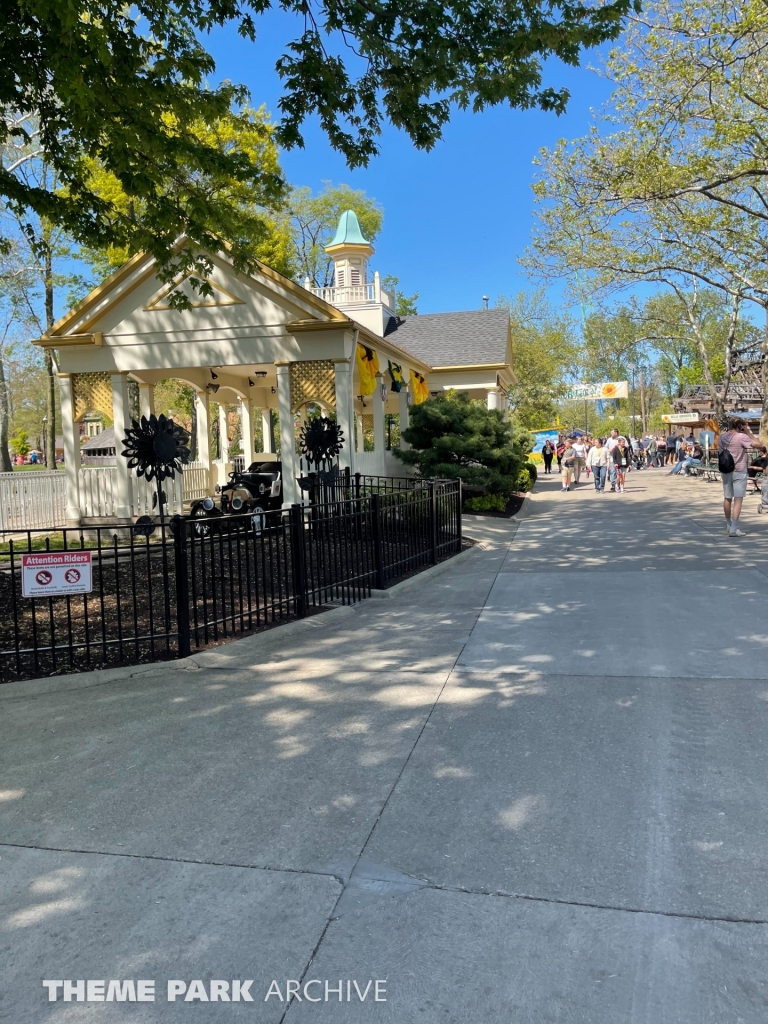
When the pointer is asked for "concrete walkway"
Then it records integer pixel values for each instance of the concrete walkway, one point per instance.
(529, 789)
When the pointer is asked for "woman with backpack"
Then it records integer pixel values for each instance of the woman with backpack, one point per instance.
(733, 445)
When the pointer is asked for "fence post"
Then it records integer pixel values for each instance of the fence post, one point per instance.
(298, 562)
(459, 537)
(182, 585)
(378, 547)
(357, 485)
(433, 519)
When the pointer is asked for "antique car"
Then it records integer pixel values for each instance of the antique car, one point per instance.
(256, 490)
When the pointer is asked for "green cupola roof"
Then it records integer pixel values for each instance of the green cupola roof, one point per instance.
(348, 232)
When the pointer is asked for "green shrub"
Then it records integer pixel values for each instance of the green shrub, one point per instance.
(451, 436)
(487, 503)
(526, 479)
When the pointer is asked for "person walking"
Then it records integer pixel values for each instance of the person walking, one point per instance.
(597, 461)
(651, 452)
(671, 448)
(567, 464)
(559, 449)
(548, 453)
(610, 444)
(581, 457)
(622, 459)
(732, 446)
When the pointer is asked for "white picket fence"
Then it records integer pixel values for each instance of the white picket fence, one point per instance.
(37, 500)
(32, 500)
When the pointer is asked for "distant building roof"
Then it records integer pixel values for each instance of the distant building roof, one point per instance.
(469, 338)
(106, 439)
(348, 232)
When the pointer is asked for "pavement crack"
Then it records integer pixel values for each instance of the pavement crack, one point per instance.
(588, 905)
(175, 860)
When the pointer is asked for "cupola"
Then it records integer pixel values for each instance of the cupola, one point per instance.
(350, 252)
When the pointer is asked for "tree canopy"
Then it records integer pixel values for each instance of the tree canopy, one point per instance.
(127, 84)
(668, 187)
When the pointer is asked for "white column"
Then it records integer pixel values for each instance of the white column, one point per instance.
(71, 449)
(360, 447)
(246, 432)
(266, 432)
(122, 420)
(343, 380)
(404, 415)
(223, 465)
(379, 436)
(287, 435)
(146, 399)
(492, 400)
(379, 432)
(203, 407)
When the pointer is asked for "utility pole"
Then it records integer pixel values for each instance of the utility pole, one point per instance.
(632, 368)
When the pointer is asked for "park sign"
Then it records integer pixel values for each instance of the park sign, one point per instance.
(56, 573)
(597, 392)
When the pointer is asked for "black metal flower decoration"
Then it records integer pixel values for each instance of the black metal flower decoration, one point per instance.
(156, 447)
(321, 440)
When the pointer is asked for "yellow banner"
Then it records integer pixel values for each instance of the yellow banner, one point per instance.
(419, 388)
(368, 367)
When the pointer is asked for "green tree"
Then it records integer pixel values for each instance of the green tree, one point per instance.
(453, 436)
(545, 353)
(256, 225)
(313, 222)
(126, 84)
(405, 305)
(669, 185)
(20, 443)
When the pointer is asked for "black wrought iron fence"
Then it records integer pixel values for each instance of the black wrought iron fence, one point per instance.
(148, 597)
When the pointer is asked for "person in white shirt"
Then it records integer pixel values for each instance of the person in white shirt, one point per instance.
(597, 460)
(610, 444)
(581, 456)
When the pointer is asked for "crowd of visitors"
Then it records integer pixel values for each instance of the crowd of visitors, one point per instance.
(740, 458)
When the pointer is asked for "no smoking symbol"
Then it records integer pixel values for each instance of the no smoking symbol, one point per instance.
(72, 575)
(44, 577)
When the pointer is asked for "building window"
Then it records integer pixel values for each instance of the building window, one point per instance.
(355, 275)
(339, 278)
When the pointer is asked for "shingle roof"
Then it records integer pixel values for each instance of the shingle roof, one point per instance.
(469, 338)
(106, 439)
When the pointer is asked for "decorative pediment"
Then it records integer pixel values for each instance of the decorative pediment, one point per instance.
(221, 296)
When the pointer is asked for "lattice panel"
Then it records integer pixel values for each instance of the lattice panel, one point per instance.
(367, 422)
(313, 381)
(92, 393)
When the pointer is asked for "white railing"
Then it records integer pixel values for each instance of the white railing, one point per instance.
(98, 491)
(353, 294)
(238, 463)
(196, 481)
(32, 500)
(37, 500)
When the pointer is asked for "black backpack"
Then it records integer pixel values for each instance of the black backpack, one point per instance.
(725, 461)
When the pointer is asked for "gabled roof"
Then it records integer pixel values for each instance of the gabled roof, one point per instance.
(471, 338)
(142, 266)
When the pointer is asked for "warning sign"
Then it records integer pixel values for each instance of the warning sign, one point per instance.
(53, 573)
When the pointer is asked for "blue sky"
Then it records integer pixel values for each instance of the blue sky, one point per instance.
(455, 219)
